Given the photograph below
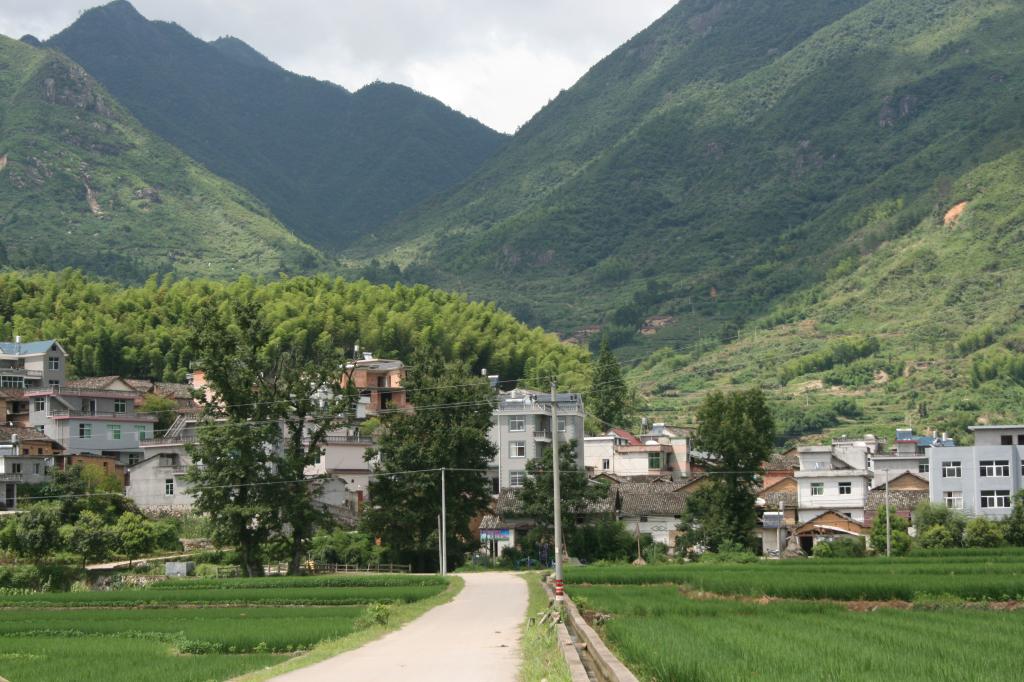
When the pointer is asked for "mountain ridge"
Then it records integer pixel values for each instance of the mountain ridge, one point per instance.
(331, 164)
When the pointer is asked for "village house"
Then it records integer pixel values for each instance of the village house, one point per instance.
(832, 478)
(664, 451)
(109, 464)
(26, 455)
(908, 454)
(27, 366)
(521, 428)
(979, 479)
(777, 505)
(906, 491)
(379, 383)
(95, 415)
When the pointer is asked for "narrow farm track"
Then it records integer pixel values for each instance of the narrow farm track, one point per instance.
(472, 638)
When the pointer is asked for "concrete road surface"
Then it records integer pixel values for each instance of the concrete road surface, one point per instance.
(474, 637)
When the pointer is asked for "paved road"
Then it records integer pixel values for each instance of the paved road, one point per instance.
(474, 637)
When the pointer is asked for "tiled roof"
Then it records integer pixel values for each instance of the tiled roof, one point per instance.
(881, 486)
(650, 499)
(772, 499)
(490, 522)
(783, 461)
(625, 435)
(25, 434)
(92, 382)
(900, 500)
(164, 388)
(510, 503)
(29, 348)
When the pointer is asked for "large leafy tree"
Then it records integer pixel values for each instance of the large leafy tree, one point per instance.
(609, 399)
(274, 370)
(447, 429)
(91, 537)
(736, 432)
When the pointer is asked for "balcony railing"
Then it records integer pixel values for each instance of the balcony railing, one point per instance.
(348, 440)
(21, 372)
(173, 440)
(11, 478)
(97, 414)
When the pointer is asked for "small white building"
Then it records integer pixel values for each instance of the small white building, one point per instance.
(832, 478)
(158, 483)
(663, 452)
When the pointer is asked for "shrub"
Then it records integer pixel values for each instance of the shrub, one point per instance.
(840, 548)
(937, 537)
(900, 537)
(729, 553)
(376, 613)
(981, 532)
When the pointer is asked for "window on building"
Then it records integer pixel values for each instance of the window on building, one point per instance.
(141, 431)
(1020, 439)
(114, 431)
(954, 499)
(517, 448)
(24, 451)
(845, 488)
(134, 458)
(951, 470)
(53, 363)
(561, 424)
(995, 499)
(85, 430)
(16, 468)
(89, 406)
(167, 459)
(39, 404)
(516, 478)
(168, 486)
(54, 382)
(606, 464)
(1006, 440)
(922, 467)
(516, 424)
(817, 488)
(12, 382)
(36, 468)
(643, 519)
(120, 406)
(994, 468)
(653, 460)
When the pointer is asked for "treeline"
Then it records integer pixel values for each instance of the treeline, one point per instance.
(144, 331)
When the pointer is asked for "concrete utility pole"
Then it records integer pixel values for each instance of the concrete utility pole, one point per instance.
(440, 544)
(888, 518)
(559, 584)
(444, 528)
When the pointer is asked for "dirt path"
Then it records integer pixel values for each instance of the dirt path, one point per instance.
(474, 637)
(110, 565)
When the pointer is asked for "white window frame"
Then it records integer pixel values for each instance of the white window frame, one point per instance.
(120, 406)
(141, 431)
(954, 499)
(39, 404)
(517, 424)
(994, 468)
(517, 446)
(606, 464)
(168, 487)
(849, 487)
(134, 458)
(53, 363)
(561, 424)
(16, 467)
(952, 469)
(84, 431)
(516, 475)
(114, 432)
(661, 461)
(923, 467)
(995, 499)
(817, 488)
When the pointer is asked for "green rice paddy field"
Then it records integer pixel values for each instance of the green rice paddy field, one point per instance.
(666, 625)
(186, 629)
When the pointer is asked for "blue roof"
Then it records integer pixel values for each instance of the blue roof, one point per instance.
(30, 348)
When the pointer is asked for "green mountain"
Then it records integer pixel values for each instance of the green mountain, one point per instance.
(331, 164)
(927, 331)
(83, 184)
(730, 154)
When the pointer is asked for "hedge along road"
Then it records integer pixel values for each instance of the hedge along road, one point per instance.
(473, 637)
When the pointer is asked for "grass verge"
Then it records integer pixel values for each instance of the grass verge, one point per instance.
(542, 655)
(400, 615)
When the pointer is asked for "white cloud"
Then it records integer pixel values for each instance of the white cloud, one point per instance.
(498, 61)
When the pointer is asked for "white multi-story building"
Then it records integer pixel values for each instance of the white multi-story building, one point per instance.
(834, 477)
(908, 455)
(663, 452)
(979, 479)
(521, 428)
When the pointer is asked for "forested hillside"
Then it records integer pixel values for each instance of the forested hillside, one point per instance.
(143, 331)
(83, 184)
(928, 331)
(730, 154)
(332, 165)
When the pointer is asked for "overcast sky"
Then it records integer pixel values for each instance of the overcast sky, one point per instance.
(496, 60)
